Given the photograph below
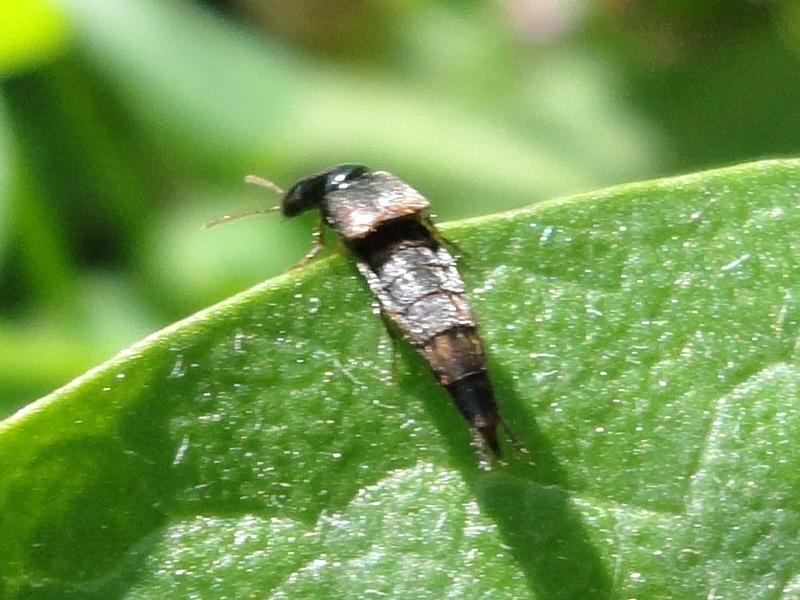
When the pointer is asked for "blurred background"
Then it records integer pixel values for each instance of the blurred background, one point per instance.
(127, 124)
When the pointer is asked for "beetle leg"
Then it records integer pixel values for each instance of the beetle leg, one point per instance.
(447, 243)
(317, 244)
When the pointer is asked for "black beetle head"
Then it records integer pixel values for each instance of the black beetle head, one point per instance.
(310, 192)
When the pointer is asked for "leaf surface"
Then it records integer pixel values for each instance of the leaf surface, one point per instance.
(642, 341)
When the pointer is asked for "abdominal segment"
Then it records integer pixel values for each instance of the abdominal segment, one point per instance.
(418, 287)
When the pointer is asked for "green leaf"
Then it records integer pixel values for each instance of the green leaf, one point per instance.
(642, 341)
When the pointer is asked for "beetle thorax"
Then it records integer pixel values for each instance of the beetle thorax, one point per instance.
(366, 204)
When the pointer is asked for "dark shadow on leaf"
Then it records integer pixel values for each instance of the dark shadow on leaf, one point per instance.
(528, 497)
(546, 537)
(530, 502)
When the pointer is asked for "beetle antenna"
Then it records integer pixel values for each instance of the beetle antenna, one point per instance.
(260, 181)
(239, 215)
(256, 180)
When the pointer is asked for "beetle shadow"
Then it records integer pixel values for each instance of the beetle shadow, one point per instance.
(527, 494)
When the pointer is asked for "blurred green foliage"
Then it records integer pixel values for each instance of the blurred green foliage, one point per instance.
(126, 124)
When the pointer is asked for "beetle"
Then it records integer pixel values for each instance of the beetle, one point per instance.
(384, 223)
